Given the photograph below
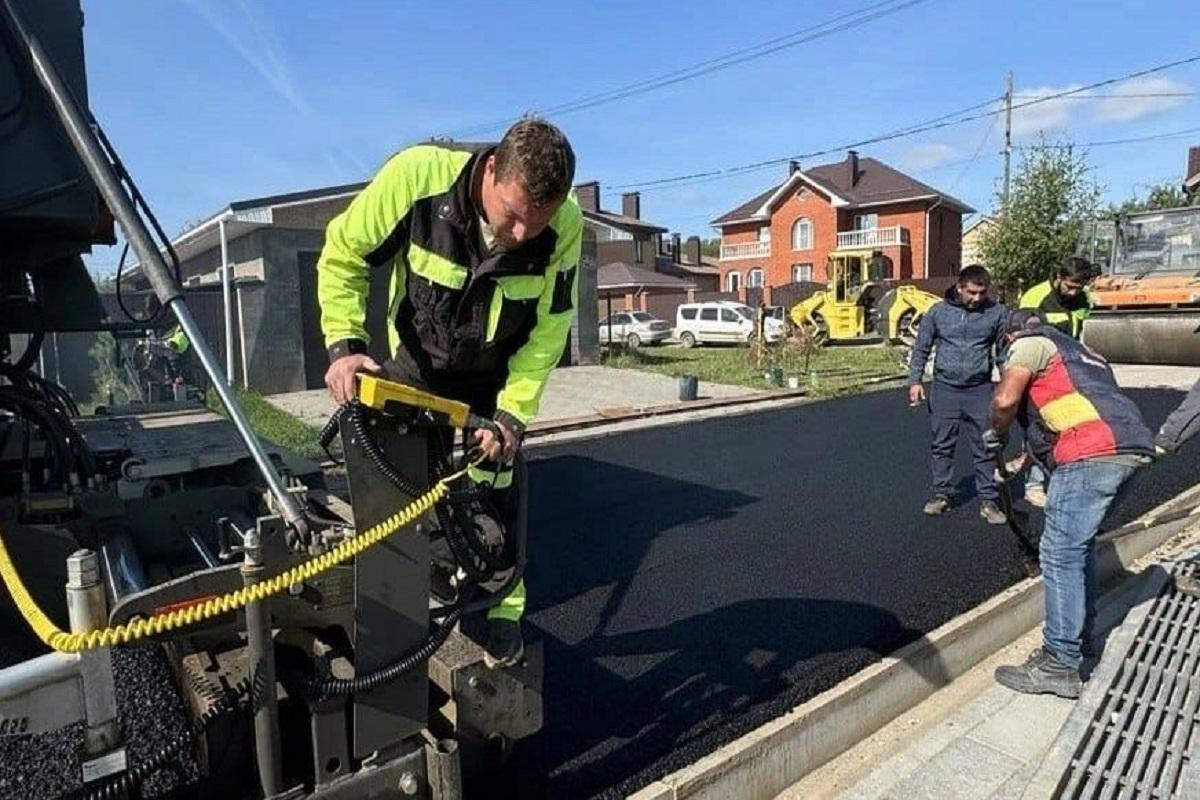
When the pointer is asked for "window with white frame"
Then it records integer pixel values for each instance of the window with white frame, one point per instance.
(802, 234)
(754, 278)
(733, 281)
(802, 273)
(764, 233)
(866, 222)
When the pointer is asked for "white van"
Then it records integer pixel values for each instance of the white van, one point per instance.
(721, 321)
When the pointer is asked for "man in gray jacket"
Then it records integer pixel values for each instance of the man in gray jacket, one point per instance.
(964, 328)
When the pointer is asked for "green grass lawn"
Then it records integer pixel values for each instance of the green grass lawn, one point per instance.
(275, 425)
(837, 369)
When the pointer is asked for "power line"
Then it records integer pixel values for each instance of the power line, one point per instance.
(1134, 95)
(904, 132)
(1131, 140)
(975, 156)
(837, 24)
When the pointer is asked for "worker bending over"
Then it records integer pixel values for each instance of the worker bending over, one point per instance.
(1090, 438)
(1065, 302)
(964, 328)
(483, 244)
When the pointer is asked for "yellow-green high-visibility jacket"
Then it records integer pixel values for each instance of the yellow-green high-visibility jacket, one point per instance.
(177, 340)
(496, 319)
(1067, 316)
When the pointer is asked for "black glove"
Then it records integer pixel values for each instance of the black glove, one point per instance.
(994, 442)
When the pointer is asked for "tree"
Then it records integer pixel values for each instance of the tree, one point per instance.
(1053, 197)
(1162, 196)
(710, 248)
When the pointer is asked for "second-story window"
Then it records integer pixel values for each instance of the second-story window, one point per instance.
(802, 234)
(866, 222)
(637, 250)
(754, 278)
(764, 233)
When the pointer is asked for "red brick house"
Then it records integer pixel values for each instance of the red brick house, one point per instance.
(786, 233)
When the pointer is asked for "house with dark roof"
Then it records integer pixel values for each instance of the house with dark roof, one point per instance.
(1191, 179)
(786, 233)
(623, 237)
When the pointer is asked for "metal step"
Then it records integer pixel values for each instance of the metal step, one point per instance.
(1134, 732)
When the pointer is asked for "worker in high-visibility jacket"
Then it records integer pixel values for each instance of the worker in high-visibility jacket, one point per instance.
(1065, 302)
(483, 243)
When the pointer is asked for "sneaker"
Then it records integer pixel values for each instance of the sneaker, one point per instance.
(1041, 674)
(940, 504)
(1035, 495)
(504, 647)
(992, 513)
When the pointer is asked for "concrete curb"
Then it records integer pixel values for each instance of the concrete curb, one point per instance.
(766, 761)
(617, 415)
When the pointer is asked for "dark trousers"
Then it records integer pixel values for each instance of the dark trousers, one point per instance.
(953, 410)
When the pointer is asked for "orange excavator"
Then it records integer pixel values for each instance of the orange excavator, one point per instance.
(1147, 298)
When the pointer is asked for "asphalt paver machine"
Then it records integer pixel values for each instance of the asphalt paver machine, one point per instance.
(317, 644)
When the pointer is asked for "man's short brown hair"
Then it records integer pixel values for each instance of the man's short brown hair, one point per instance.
(540, 157)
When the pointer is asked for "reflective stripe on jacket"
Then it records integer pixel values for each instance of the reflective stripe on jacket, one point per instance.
(1068, 316)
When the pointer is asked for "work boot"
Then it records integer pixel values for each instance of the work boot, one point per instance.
(504, 646)
(992, 513)
(1041, 674)
(940, 504)
(1035, 495)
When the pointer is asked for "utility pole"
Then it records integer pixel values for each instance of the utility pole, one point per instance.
(1008, 98)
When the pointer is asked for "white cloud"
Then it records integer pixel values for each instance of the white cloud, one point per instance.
(928, 156)
(1125, 109)
(1109, 104)
(253, 40)
(1045, 116)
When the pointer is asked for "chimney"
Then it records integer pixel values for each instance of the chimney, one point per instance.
(793, 168)
(1193, 164)
(631, 205)
(589, 196)
(693, 250)
(852, 168)
(676, 249)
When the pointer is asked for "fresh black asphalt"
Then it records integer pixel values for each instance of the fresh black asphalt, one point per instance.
(691, 582)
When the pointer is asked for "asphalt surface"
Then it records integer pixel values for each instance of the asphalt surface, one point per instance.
(693, 582)
(690, 583)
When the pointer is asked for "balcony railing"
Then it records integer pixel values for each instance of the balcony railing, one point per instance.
(730, 252)
(873, 237)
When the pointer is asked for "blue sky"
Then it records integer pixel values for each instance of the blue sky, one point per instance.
(216, 100)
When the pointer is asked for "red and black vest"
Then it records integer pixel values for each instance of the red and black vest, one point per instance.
(1074, 409)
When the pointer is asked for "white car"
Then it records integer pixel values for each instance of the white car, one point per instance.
(722, 321)
(633, 329)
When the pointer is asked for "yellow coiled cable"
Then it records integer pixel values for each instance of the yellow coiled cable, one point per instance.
(66, 642)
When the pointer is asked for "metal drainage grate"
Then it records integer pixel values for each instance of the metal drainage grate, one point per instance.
(1138, 743)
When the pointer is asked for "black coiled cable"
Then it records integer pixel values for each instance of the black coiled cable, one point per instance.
(358, 422)
(333, 687)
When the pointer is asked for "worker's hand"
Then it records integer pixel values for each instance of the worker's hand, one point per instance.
(994, 441)
(916, 395)
(495, 449)
(340, 375)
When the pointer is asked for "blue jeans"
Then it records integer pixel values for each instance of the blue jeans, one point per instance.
(950, 409)
(1078, 497)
